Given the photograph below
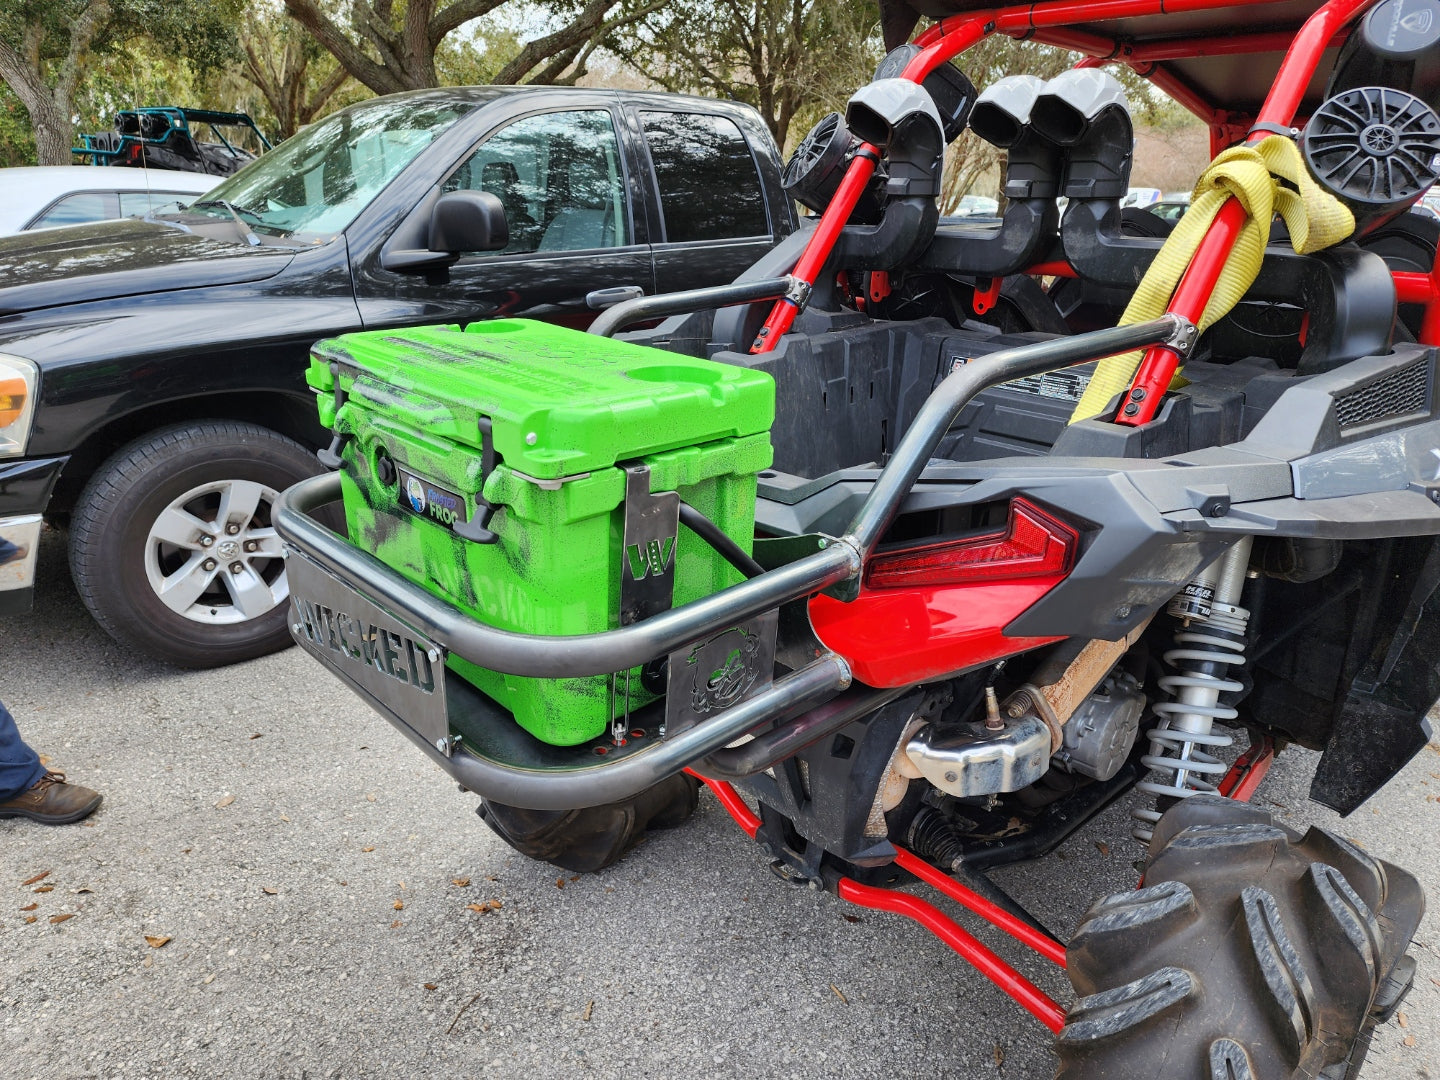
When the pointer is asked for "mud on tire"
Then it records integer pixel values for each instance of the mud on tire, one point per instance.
(1250, 954)
(597, 836)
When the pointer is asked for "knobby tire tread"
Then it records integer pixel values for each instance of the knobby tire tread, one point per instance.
(1251, 953)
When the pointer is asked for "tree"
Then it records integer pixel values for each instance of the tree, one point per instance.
(790, 59)
(297, 77)
(391, 47)
(44, 50)
(47, 47)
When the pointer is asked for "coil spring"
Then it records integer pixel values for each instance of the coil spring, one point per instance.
(1182, 759)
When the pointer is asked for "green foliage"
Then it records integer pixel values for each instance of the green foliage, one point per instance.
(793, 60)
(475, 59)
(17, 141)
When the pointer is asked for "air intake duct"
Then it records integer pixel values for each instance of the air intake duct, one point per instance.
(1002, 118)
(1086, 112)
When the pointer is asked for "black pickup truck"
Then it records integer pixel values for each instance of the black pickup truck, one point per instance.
(151, 371)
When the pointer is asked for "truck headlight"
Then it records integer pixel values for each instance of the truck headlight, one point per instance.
(19, 382)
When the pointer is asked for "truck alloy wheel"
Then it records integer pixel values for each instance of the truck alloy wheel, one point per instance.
(172, 547)
(212, 555)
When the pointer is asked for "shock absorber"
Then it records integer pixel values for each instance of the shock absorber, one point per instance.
(1211, 639)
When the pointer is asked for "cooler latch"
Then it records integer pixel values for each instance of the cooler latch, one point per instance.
(330, 456)
(476, 528)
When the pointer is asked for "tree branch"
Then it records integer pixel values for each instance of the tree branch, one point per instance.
(456, 15)
(567, 37)
(320, 26)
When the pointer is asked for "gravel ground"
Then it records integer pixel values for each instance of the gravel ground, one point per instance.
(309, 871)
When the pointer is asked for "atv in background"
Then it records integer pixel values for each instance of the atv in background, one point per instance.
(162, 138)
(983, 560)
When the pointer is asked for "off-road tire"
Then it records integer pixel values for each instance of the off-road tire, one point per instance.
(1249, 954)
(591, 839)
(111, 522)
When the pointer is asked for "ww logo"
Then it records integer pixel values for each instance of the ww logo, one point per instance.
(652, 558)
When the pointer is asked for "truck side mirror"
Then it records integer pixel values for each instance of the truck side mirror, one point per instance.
(468, 221)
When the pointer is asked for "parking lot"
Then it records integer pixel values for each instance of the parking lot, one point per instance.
(313, 883)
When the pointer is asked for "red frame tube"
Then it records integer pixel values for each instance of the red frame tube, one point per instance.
(1158, 367)
(1030, 997)
(731, 801)
(1244, 777)
(1022, 990)
(996, 916)
(807, 269)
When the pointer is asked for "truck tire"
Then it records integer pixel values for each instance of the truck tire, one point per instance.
(1249, 954)
(172, 548)
(591, 839)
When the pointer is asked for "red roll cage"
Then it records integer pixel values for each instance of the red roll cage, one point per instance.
(1214, 57)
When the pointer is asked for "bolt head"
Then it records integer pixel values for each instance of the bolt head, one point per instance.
(232, 529)
(251, 545)
(206, 540)
(208, 564)
(951, 777)
(531, 438)
(237, 568)
(443, 745)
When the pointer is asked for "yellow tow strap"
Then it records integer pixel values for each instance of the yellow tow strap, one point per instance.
(1267, 178)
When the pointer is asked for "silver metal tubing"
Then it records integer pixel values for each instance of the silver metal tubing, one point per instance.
(943, 405)
(537, 655)
(593, 785)
(628, 312)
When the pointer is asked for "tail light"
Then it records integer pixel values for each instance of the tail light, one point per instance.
(1032, 544)
(935, 609)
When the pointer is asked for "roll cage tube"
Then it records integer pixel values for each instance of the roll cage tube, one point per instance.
(1046, 23)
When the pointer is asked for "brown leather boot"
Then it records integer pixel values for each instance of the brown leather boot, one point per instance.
(51, 801)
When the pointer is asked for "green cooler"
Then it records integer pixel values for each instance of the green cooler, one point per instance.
(491, 465)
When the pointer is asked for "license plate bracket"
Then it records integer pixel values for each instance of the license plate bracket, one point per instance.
(373, 651)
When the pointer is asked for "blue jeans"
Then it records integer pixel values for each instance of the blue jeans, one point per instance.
(19, 765)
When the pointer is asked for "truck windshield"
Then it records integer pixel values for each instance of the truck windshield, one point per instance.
(314, 184)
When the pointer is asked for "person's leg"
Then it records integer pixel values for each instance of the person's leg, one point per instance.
(29, 790)
(19, 765)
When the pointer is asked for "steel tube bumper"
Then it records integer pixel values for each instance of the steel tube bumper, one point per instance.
(594, 785)
(535, 655)
(578, 781)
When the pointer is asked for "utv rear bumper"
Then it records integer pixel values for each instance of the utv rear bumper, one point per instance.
(388, 639)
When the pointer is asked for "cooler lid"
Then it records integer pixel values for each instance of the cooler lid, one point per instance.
(560, 401)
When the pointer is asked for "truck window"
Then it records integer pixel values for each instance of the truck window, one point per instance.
(560, 178)
(709, 189)
(78, 209)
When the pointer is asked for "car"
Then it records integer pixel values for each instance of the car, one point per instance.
(1141, 196)
(152, 372)
(1171, 208)
(977, 206)
(48, 196)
